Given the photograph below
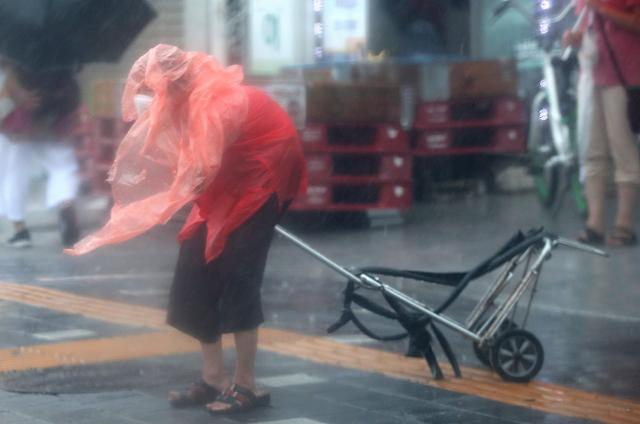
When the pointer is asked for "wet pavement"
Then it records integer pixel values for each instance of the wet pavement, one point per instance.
(82, 340)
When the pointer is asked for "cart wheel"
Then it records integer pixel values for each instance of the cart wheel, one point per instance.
(484, 353)
(517, 355)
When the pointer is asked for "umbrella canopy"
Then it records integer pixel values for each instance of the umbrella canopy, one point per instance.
(50, 34)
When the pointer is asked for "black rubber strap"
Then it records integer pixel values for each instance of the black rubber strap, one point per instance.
(348, 315)
(445, 278)
(373, 307)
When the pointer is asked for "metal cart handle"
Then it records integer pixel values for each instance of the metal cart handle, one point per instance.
(580, 246)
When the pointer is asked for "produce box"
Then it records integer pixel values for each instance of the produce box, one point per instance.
(488, 78)
(354, 103)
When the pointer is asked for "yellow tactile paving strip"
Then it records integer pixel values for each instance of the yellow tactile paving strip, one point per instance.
(105, 310)
(537, 395)
(95, 351)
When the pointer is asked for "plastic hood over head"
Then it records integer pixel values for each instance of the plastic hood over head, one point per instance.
(174, 149)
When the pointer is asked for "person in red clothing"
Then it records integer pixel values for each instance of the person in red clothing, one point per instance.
(231, 150)
(615, 26)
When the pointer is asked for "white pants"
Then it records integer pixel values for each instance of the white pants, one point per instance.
(57, 158)
(588, 57)
(612, 144)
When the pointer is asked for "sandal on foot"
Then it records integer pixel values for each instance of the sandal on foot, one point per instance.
(589, 236)
(198, 393)
(620, 237)
(239, 399)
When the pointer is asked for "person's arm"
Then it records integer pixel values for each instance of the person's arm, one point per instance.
(628, 20)
(573, 37)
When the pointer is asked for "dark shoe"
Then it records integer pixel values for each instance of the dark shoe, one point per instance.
(198, 393)
(621, 237)
(592, 237)
(239, 399)
(20, 240)
(69, 232)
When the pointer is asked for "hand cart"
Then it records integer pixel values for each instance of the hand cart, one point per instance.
(498, 341)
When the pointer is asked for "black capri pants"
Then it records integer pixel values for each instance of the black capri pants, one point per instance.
(223, 296)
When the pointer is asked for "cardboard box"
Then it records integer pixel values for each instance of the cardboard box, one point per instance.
(354, 103)
(385, 73)
(488, 78)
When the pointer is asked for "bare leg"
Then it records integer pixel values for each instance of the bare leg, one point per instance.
(213, 372)
(246, 349)
(627, 196)
(595, 189)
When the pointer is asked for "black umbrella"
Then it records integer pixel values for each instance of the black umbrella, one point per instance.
(49, 34)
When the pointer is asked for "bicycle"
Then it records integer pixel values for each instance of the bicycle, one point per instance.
(551, 142)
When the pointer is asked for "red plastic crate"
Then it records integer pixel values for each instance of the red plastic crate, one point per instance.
(470, 113)
(461, 141)
(352, 167)
(354, 197)
(354, 138)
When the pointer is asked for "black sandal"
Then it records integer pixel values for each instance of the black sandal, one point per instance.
(239, 399)
(589, 236)
(198, 393)
(621, 237)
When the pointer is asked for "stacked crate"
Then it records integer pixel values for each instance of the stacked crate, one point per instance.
(356, 167)
(481, 113)
(471, 126)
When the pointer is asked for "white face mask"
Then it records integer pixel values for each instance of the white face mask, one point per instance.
(142, 102)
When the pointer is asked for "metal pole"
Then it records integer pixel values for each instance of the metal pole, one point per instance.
(504, 309)
(422, 308)
(580, 246)
(351, 276)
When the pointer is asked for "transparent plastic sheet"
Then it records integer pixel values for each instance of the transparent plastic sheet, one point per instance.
(175, 148)
(265, 159)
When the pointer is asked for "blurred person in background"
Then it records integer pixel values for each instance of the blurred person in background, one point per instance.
(41, 113)
(616, 29)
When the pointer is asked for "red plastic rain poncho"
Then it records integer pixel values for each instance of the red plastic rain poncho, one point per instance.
(206, 138)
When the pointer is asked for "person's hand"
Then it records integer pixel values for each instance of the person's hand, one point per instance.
(571, 38)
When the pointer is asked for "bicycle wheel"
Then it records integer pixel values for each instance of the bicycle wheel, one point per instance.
(540, 149)
(579, 197)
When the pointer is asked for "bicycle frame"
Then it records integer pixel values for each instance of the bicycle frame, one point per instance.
(560, 131)
(559, 168)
